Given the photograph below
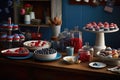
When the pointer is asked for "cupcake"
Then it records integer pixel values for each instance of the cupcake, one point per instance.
(112, 26)
(94, 24)
(16, 38)
(89, 25)
(97, 28)
(106, 23)
(115, 26)
(100, 24)
(10, 38)
(4, 26)
(3, 37)
(22, 37)
(9, 27)
(15, 27)
(106, 27)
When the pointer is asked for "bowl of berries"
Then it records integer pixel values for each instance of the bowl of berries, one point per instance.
(37, 44)
(45, 54)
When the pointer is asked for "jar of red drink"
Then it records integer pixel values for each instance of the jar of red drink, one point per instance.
(84, 55)
(76, 39)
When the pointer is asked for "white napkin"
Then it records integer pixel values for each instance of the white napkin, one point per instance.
(115, 69)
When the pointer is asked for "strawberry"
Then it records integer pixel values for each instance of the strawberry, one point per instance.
(8, 51)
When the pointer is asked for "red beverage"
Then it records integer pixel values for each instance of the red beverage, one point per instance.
(76, 43)
(84, 55)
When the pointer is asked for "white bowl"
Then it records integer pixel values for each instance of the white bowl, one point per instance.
(70, 59)
(30, 46)
(44, 56)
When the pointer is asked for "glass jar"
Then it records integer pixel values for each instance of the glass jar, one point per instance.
(84, 55)
(64, 39)
(76, 39)
(88, 48)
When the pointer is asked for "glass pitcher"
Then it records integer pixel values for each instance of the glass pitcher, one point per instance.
(76, 39)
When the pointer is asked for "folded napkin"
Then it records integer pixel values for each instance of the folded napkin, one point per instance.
(115, 69)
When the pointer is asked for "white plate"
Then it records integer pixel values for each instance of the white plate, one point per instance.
(97, 64)
(28, 44)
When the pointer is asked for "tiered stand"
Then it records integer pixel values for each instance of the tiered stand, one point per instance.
(9, 44)
(100, 39)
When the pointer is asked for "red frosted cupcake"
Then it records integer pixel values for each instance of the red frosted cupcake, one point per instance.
(106, 27)
(94, 24)
(15, 27)
(10, 38)
(112, 26)
(9, 27)
(22, 37)
(16, 38)
(3, 37)
(115, 26)
(101, 25)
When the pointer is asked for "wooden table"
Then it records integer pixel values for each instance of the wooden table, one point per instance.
(31, 69)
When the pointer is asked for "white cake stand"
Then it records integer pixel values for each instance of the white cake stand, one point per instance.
(100, 39)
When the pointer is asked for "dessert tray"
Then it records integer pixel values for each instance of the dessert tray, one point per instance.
(101, 27)
(20, 51)
(109, 54)
(37, 44)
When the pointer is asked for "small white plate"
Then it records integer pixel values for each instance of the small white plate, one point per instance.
(97, 65)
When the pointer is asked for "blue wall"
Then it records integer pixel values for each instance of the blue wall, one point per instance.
(82, 14)
(79, 15)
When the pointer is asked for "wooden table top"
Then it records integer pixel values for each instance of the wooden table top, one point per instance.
(59, 65)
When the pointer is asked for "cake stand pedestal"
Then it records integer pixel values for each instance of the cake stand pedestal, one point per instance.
(100, 39)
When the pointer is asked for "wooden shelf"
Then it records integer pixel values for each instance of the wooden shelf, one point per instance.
(31, 25)
(42, 9)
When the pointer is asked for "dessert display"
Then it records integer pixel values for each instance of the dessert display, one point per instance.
(109, 53)
(100, 28)
(93, 26)
(10, 34)
(20, 51)
(37, 44)
(45, 53)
